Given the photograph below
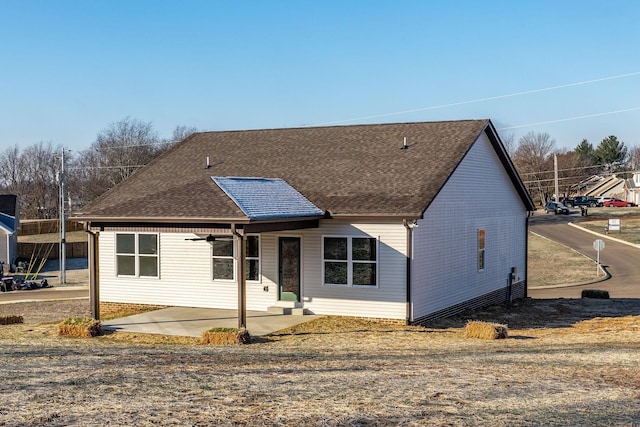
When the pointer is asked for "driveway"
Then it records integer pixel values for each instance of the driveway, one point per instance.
(619, 259)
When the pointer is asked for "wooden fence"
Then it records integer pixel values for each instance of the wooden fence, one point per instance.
(28, 251)
(46, 226)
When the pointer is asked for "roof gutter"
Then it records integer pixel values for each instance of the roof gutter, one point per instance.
(189, 220)
(241, 273)
(409, 225)
(94, 276)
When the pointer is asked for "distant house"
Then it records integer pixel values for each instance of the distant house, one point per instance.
(608, 186)
(9, 226)
(406, 221)
(632, 188)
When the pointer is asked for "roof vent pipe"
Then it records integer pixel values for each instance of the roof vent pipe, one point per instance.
(208, 164)
(404, 144)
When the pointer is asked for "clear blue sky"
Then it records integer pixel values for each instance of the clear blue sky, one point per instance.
(70, 68)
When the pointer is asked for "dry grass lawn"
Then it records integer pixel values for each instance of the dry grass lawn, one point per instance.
(629, 228)
(71, 237)
(566, 362)
(546, 268)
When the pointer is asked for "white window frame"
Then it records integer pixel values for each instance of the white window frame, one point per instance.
(350, 262)
(233, 257)
(482, 249)
(137, 255)
(235, 260)
(258, 258)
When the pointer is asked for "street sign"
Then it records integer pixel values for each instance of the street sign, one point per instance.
(614, 224)
(598, 245)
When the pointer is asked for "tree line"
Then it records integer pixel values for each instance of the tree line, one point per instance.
(125, 146)
(119, 150)
(535, 153)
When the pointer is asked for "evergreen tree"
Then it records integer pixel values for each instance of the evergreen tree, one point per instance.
(587, 153)
(612, 153)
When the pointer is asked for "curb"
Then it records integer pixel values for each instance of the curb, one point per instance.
(607, 275)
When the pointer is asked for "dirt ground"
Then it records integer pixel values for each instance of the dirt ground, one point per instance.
(566, 362)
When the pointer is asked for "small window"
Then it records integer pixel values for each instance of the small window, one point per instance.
(350, 261)
(224, 258)
(222, 249)
(137, 254)
(253, 258)
(481, 249)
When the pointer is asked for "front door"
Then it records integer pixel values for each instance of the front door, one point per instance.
(289, 269)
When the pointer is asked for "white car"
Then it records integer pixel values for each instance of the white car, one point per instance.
(603, 199)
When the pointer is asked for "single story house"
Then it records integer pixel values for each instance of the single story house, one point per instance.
(632, 188)
(9, 226)
(407, 221)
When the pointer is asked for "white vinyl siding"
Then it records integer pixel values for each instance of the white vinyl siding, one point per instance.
(137, 254)
(185, 274)
(387, 300)
(349, 261)
(478, 196)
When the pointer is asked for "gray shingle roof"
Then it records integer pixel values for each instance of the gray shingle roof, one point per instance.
(345, 170)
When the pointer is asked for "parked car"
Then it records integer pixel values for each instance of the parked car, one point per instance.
(617, 203)
(557, 208)
(603, 199)
(580, 201)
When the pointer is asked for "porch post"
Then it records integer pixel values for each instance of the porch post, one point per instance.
(94, 284)
(241, 273)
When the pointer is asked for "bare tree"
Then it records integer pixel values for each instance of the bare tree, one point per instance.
(117, 153)
(533, 160)
(31, 175)
(11, 174)
(571, 171)
(123, 147)
(182, 132)
(633, 162)
(509, 142)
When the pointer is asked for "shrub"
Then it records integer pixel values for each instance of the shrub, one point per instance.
(224, 336)
(83, 327)
(11, 319)
(485, 330)
(595, 293)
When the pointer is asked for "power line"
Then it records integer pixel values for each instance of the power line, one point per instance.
(551, 179)
(527, 92)
(571, 118)
(564, 170)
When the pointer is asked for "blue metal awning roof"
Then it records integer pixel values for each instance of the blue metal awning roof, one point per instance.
(7, 223)
(267, 198)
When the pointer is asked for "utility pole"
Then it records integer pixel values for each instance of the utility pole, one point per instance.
(555, 173)
(63, 224)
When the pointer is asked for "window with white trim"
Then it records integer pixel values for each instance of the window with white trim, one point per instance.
(481, 243)
(224, 258)
(350, 261)
(253, 257)
(137, 254)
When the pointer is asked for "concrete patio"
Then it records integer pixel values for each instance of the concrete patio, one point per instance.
(191, 322)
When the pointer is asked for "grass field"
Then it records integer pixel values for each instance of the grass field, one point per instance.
(565, 363)
(551, 263)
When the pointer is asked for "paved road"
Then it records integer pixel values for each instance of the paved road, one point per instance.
(620, 260)
(61, 292)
